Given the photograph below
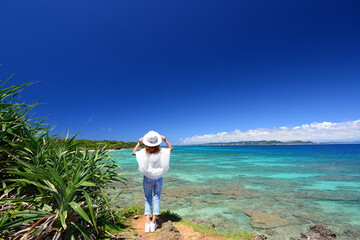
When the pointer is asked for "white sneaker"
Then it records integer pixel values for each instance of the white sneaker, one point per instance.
(153, 227)
(147, 227)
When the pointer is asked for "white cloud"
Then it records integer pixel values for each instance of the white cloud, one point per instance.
(325, 131)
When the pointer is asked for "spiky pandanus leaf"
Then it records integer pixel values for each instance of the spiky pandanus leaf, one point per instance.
(49, 184)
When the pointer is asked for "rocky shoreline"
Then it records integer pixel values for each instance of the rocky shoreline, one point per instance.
(169, 230)
(261, 219)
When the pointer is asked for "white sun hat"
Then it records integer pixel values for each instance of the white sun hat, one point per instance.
(152, 139)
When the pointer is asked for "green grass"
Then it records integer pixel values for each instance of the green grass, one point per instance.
(197, 227)
(128, 213)
(131, 211)
(203, 229)
(206, 230)
(124, 217)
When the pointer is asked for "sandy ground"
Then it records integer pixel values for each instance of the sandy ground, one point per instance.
(186, 232)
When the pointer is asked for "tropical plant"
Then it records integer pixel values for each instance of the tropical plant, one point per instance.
(50, 187)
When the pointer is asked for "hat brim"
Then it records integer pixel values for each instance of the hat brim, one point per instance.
(149, 144)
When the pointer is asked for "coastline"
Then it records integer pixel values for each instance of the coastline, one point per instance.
(238, 187)
(118, 149)
(112, 149)
(173, 226)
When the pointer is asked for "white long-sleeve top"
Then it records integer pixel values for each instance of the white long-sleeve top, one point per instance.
(155, 165)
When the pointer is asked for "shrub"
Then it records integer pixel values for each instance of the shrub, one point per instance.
(51, 187)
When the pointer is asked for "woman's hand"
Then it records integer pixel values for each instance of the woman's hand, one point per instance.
(137, 146)
(167, 143)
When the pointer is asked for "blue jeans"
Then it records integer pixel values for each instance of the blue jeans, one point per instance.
(150, 186)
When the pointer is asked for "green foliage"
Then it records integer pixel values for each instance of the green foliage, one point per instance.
(51, 187)
(197, 227)
(203, 229)
(206, 230)
(92, 144)
(131, 211)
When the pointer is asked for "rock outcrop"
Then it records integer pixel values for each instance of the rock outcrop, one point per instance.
(259, 236)
(317, 232)
(168, 232)
(179, 192)
(203, 222)
(264, 220)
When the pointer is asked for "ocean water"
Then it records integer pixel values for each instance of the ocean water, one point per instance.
(276, 190)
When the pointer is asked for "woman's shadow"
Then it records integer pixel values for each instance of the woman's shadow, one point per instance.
(166, 216)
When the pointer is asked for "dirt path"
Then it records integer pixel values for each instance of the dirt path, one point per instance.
(187, 233)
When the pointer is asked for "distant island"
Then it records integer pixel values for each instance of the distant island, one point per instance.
(270, 142)
(108, 144)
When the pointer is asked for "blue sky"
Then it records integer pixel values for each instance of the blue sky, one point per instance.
(117, 69)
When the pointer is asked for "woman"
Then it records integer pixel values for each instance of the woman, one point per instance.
(153, 164)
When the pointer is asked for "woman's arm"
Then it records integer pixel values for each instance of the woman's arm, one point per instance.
(167, 143)
(137, 146)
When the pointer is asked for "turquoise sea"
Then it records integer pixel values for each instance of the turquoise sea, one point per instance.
(276, 190)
